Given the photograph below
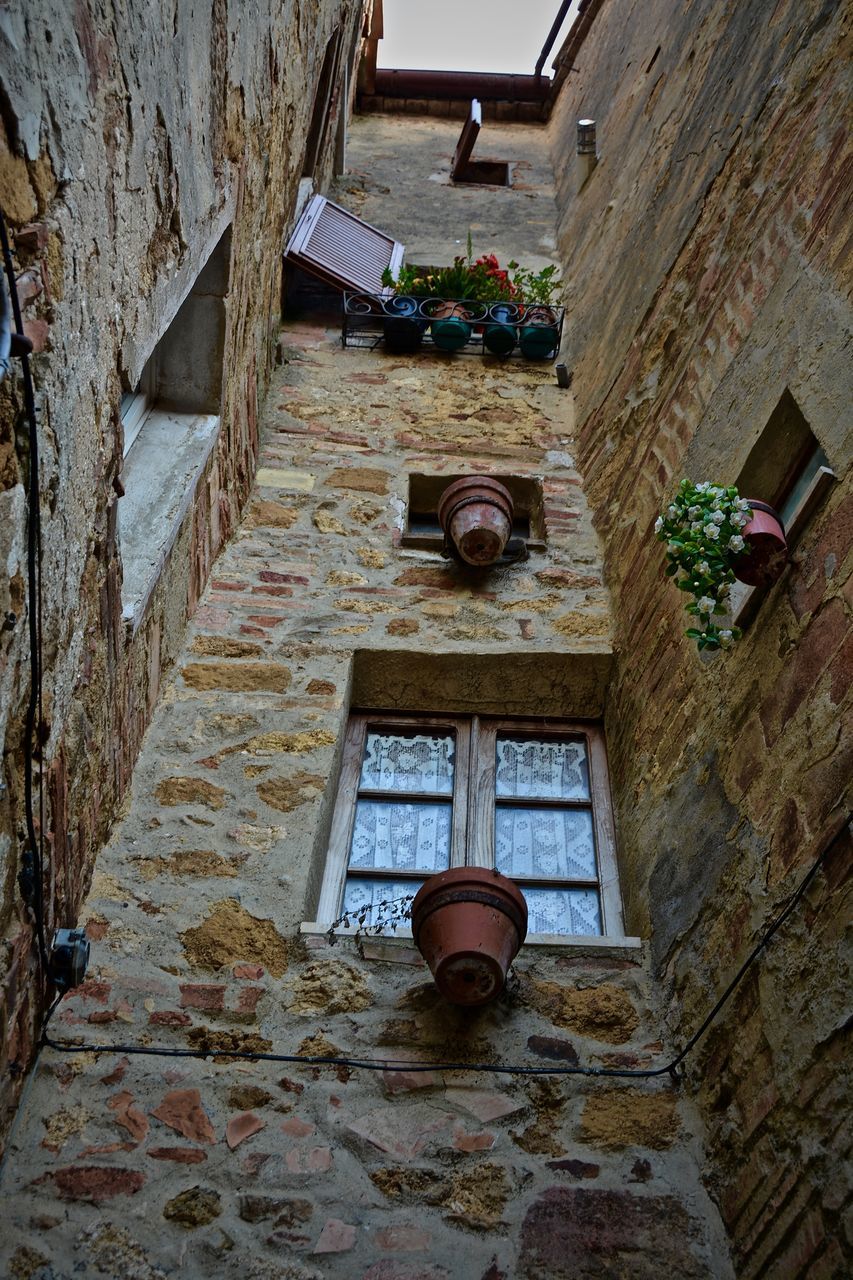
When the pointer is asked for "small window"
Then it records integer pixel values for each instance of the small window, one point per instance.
(422, 529)
(170, 422)
(531, 798)
(788, 469)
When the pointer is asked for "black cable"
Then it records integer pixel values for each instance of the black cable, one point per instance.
(493, 1068)
(34, 703)
(5, 332)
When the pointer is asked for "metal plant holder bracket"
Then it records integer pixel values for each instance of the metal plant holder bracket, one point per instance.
(494, 330)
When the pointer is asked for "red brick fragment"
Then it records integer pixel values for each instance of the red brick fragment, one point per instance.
(32, 237)
(95, 1183)
(336, 1237)
(180, 1155)
(241, 1127)
(170, 1018)
(468, 1142)
(128, 1115)
(117, 1072)
(404, 1238)
(93, 990)
(181, 1110)
(297, 1128)
(248, 998)
(202, 995)
(250, 971)
(102, 1015)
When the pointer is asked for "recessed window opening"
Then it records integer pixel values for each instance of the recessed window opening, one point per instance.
(422, 529)
(496, 173)
(419, 795)
(169, 423)
(788, 469)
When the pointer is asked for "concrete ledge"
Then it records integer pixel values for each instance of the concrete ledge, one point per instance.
(398, 947)
(161, 473)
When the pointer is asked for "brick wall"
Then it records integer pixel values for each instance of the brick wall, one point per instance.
(707, 275)
(119, 172)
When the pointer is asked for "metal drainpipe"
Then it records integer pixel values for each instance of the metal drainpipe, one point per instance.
(552, 35)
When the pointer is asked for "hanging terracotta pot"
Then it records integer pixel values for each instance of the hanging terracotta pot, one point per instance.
(763, 563)
(468, 924)
(450, 326)
(540, 336)
(476, 515)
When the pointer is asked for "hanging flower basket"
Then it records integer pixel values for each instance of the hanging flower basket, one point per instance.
(468, 924)
(476, 516)
(713, 536)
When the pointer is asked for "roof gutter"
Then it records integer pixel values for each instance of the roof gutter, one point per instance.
(453, 85)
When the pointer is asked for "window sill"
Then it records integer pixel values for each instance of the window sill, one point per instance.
(161, 472)
(388, 943)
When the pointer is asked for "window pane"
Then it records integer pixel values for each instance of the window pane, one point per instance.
(557, 843)
(541, 770)
(562, 911)
(411, 837)
(409, 762)
(361, 893)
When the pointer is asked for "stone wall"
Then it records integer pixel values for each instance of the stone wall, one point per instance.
(202, 902)
(131, 137)
(708, 272)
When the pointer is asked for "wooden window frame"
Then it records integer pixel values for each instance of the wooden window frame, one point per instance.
(474, 803)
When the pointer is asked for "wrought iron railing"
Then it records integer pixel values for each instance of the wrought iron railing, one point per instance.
(405, 325)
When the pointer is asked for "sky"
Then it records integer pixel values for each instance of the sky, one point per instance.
(469, 35)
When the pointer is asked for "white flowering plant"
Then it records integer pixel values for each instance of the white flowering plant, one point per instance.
(703, 531)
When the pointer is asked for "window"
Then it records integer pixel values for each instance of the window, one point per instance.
(788, 469)
(170, 422)
(530, 797)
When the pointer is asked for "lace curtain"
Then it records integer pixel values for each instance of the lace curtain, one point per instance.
(408, 762)
(411, 837)
(553, 843)
(541, 770)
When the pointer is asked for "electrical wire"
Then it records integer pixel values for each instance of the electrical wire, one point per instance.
(370, 1064)
(34, 616)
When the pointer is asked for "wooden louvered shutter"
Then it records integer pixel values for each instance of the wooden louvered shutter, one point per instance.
(341, 249)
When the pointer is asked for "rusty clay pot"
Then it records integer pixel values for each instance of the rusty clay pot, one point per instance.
(468, 924)
(476, 515)
(763, 562)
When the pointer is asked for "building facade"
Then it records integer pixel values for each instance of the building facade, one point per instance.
(706, 284)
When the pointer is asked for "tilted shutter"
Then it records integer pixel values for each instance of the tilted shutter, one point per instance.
(341, 249)
(467, 138)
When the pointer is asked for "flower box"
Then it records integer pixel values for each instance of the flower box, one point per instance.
(496, 330)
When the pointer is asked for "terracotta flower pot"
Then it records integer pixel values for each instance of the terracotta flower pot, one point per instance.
(540, 336)
(476, 514)
(468, 924)
(450, 326)
(763, 563)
